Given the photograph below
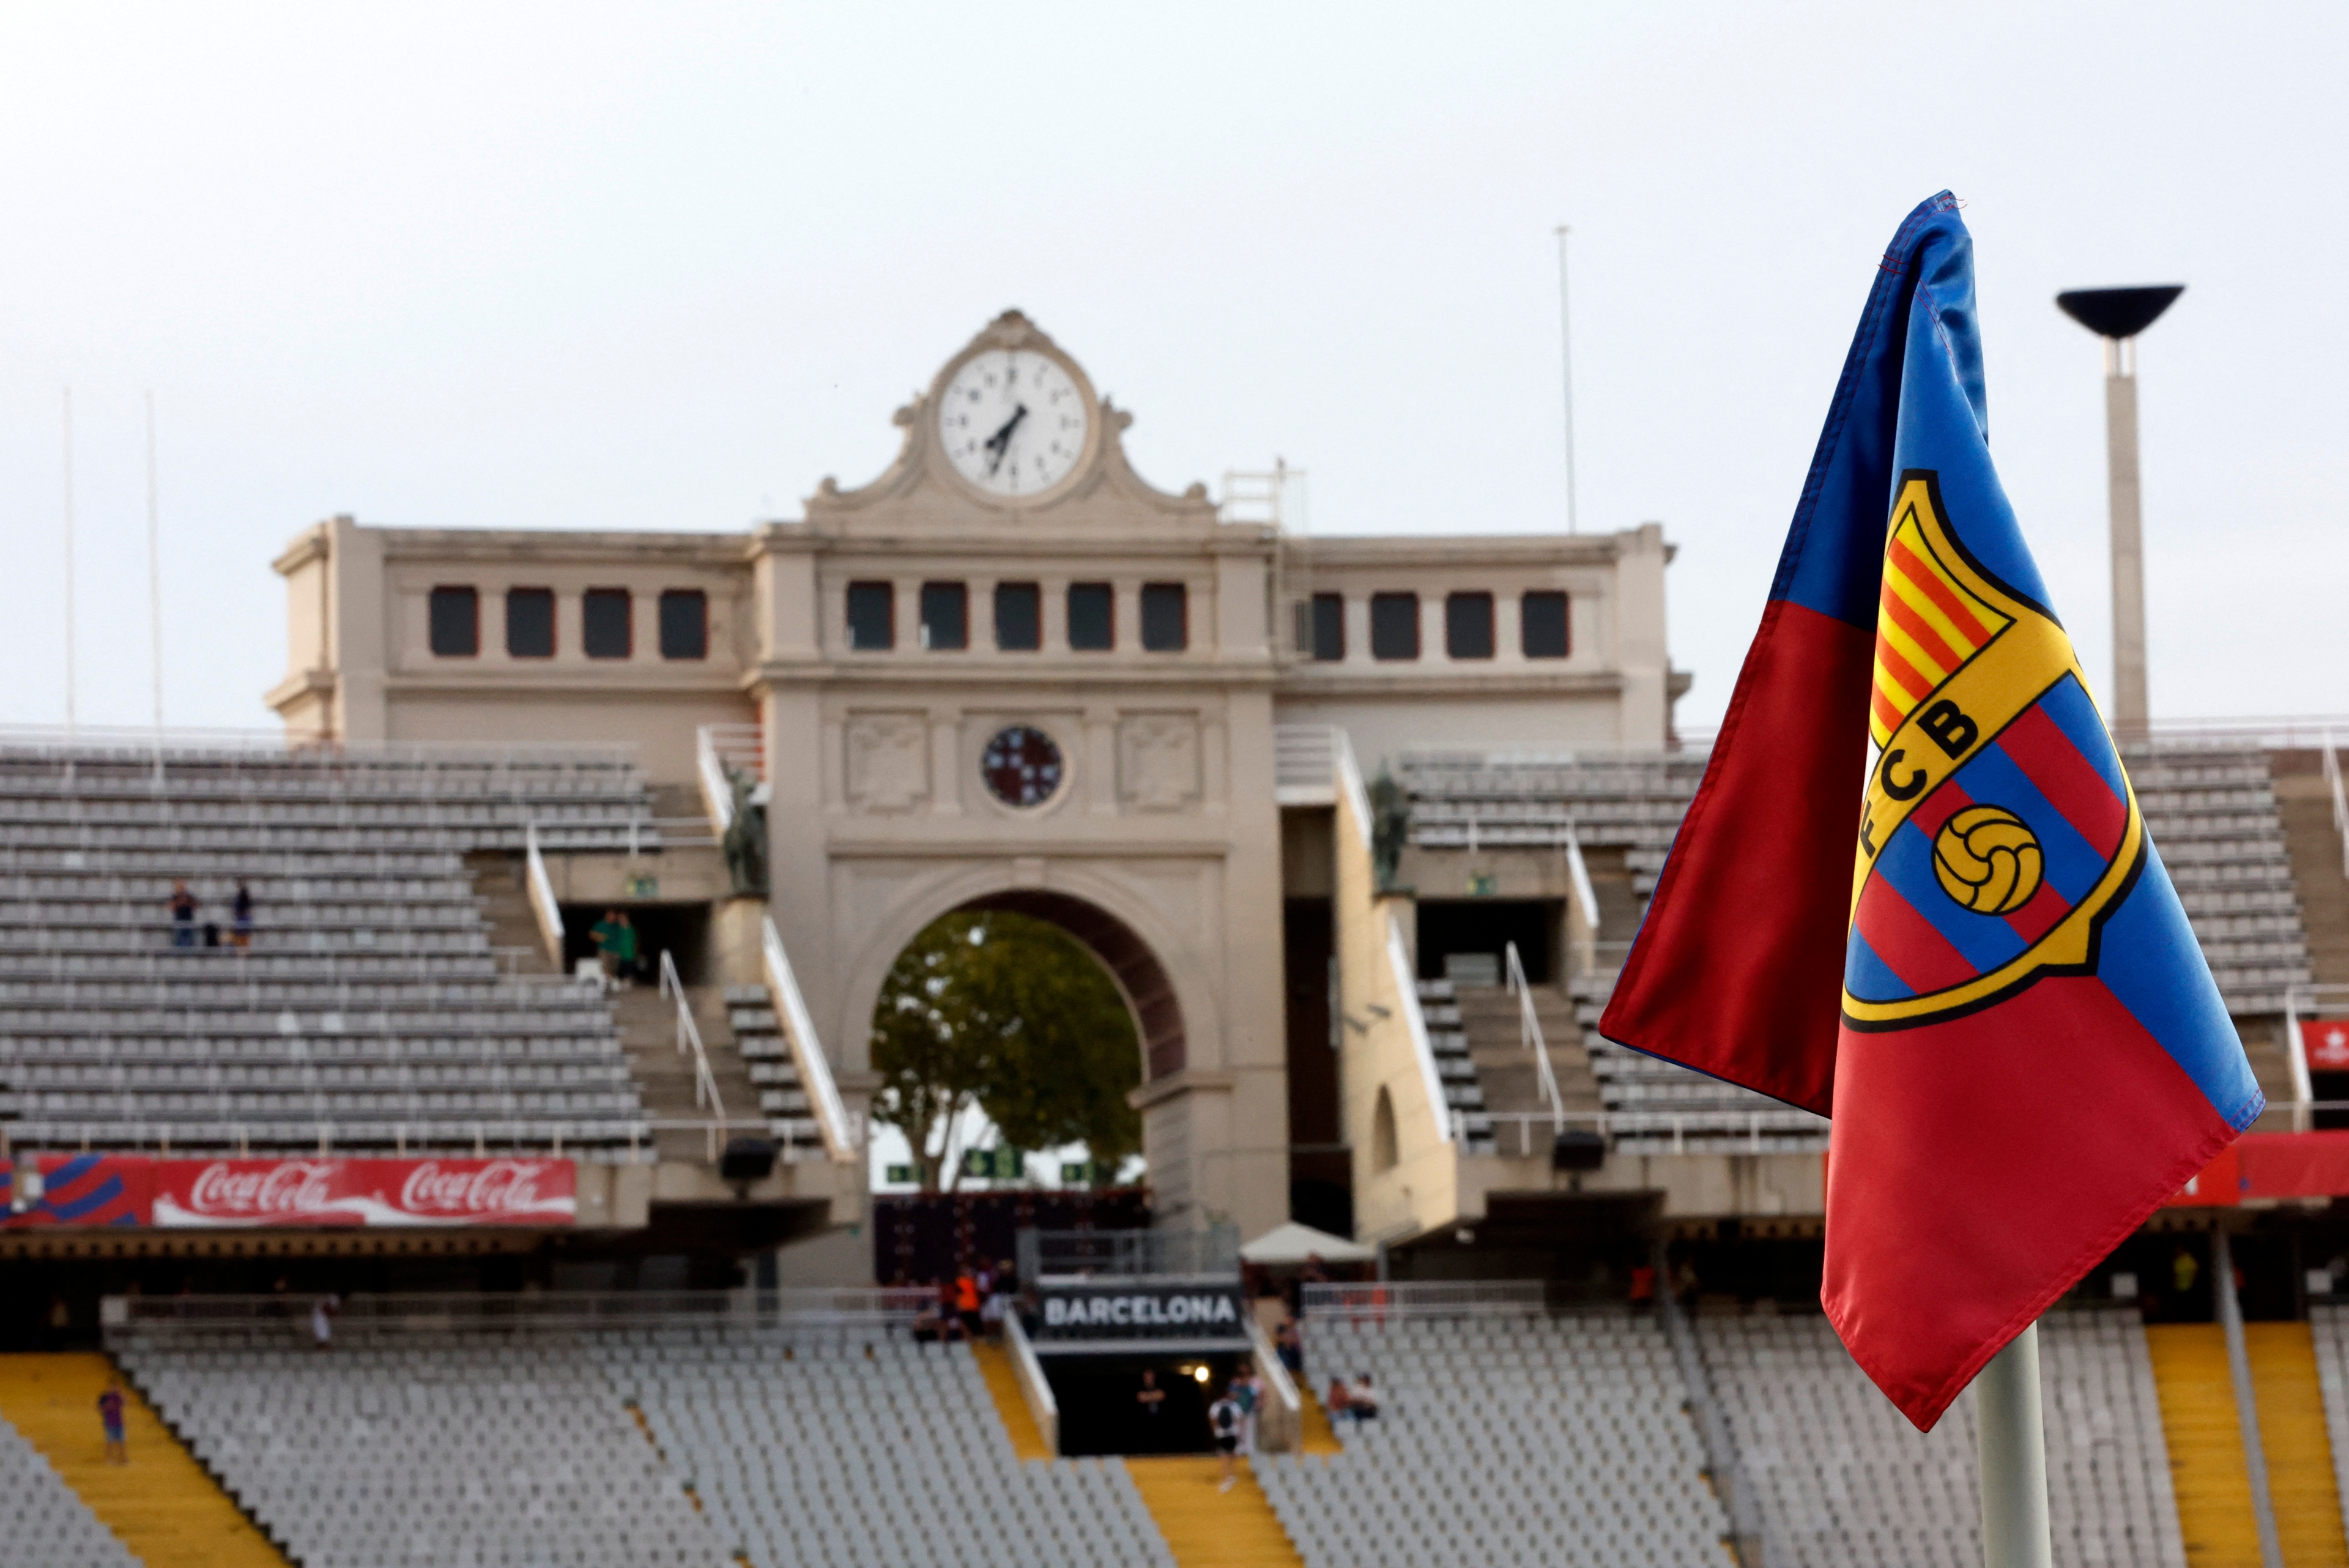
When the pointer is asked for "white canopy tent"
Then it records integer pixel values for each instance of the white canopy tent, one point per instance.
(1292, 1244)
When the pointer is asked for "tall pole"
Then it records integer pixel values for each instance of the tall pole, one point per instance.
(2011, 1447)
(69, 562)
(1565, 368)
(2131, 708)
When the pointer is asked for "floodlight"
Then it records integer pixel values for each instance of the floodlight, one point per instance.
(2118, 312)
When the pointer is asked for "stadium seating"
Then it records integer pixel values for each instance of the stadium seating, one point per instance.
(47, 1522)
(758, 1037)
(369, 1002)
(1844, 1478)
(1501, 1442)
(459, 1455)
(2210, 807)
(859, 1451)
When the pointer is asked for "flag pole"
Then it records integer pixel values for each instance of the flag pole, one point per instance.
(2013, 1446)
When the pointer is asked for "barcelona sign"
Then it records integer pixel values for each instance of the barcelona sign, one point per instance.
(1999, 829)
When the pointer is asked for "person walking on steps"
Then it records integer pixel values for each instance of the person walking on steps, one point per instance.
(240, 928)
(1224, 1420)
(110, 1413)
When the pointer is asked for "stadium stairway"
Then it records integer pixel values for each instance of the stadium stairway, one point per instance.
(2298, 1451)
(163, 1505)
(498, 882)
(664, 1075)
(1204, 1526)
(1489, 1015)
(1003, 1387)
(2305, 801)
(2208, 1476)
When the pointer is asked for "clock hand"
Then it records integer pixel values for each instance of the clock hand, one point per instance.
(1000, 443)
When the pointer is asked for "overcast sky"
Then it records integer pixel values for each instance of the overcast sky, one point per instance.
(667, 267)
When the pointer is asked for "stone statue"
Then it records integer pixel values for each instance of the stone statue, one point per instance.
(745, 836)
(1390, 827)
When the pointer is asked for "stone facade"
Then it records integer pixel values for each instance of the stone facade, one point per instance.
(900, 642)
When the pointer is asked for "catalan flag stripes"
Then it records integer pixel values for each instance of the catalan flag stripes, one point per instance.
(1927, 624)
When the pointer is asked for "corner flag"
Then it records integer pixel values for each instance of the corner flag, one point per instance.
(1915, 892)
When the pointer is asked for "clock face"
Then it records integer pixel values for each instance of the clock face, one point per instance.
(1013, 422)
(1022, 767)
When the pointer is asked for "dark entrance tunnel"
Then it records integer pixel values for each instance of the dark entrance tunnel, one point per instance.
(1099, 1412)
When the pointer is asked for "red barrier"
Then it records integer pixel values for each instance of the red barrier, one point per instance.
(343, 1193)
(2272, 1164)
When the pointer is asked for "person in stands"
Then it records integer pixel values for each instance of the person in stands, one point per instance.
(1151, 1397)
(1643, 1287)
(321, 1320)
(605, 935)
(630, 956)
(1340, 1401)
(1249, 1390)
(926, 1324)
(109, 1415)
(183, 916)
(1226, 1421)
(1363, 1398)
(240, 929)
(966, 1300)
(1290, 1348)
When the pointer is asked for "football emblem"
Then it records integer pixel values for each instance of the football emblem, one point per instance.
(1987, 859)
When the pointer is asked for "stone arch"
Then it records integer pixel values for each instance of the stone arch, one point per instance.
(1169, 994)
(1157, 1012)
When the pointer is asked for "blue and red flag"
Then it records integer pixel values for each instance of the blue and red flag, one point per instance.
(81, 1190)
(1990, 985)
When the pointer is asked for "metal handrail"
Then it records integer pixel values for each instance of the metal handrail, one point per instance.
(1414, 1020)
(329, 1138)
(200, 744)
(807, 1051)
(689, 1034)
(2340, 799)
(441, 1314)
(1421, 1299)
(541, 895)
(1529, 1036)
(1778, 1121)
(1033, 1384)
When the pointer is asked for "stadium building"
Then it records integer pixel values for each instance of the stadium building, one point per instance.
(1362, 828)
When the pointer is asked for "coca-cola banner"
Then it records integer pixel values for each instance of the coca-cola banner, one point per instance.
(304, 1192)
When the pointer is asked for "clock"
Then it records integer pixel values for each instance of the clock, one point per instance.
(1013, 422)
(1022, 767)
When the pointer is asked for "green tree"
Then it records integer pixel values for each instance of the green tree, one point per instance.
(1013, 1015)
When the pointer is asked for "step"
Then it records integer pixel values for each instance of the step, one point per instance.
(1206, 1527)
(2208, 1474)
(162, 1504)
(2292, 1439)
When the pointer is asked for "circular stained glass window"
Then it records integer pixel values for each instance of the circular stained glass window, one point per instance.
(1022, 767)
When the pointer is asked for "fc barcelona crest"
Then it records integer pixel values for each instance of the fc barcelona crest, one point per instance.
(1999, 828)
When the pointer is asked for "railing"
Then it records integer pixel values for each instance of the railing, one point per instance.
(1304, 763)
(1731, 1477)
(617, 1141)
(198, 743)
(1128, 1254)
(2298, 1001)
(424, 1316)
(815, 1073)
(1586, 903)
(1280, 1420)
(1033, 1384)
(689, 1034)
(1414, 1019)
(1748, 1126)
(1348, 780)
(1529, 1036)
(718, 751)
(2340, 800)
(541, 895)
(1396, 1300)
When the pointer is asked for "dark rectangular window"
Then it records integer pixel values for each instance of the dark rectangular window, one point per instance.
(1468, 626)
(1394, 625)
(1545, 631)
(455, 614)
(684, 623)
(607, 623)
(1165, 617)
(1018, 617)
(1328, 641)
(530, 623)
(871, 616)
(945, 616)
(1092, 617)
